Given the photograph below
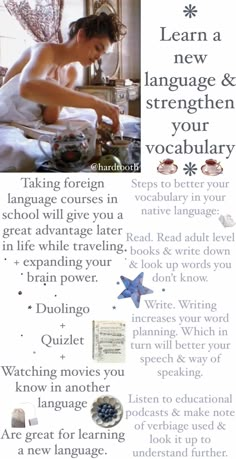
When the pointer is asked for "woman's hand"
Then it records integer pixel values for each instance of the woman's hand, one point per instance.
(103, 108)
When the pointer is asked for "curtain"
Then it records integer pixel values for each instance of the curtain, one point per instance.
(41, 18)
(3, 71)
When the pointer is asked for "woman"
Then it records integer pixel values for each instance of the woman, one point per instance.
(47, 74)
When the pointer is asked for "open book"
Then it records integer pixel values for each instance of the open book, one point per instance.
(109, 341)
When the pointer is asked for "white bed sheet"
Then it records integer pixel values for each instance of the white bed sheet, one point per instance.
(19, 153)
(19, 148)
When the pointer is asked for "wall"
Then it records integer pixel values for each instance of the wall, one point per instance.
(13, 38)
(131, 43)
(73, 10)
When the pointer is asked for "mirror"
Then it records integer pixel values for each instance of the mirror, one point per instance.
(110, 62)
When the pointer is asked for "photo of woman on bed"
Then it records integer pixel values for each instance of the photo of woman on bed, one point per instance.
(45, 73)
(42, 107)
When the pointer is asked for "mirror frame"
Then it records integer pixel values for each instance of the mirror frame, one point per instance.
(92, 6)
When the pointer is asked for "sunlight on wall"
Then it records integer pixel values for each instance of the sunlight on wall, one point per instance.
(13, 38)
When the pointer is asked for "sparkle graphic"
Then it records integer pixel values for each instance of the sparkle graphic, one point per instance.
(190, 11)
(190, 169)
(134, 289)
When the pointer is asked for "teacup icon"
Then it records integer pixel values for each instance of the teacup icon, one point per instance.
(211, 167)
(167, 166)
(69, 151)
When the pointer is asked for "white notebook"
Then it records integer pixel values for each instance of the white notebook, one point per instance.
(109, 341)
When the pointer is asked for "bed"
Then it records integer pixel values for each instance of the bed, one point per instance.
(19, 147)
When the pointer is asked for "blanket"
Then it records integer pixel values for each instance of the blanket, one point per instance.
(19, 116)
(15, 108)
(21, 125)
(17, 153)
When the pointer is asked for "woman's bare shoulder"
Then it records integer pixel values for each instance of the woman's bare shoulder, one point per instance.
(43, 48)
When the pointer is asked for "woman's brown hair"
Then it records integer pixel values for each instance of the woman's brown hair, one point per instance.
(108, 25)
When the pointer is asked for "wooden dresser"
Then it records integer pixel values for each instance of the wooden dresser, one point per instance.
(119, 95)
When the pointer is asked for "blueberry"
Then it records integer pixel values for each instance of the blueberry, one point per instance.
(106, 412)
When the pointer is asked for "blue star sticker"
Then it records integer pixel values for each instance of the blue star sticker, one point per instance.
(134, 289)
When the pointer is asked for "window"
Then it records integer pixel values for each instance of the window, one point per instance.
(13, 38)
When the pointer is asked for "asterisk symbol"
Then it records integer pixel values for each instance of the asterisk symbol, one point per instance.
(190, 169)
(190, 11)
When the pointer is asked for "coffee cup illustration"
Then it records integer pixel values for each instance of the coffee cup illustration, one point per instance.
(211, 167)
(167, 166)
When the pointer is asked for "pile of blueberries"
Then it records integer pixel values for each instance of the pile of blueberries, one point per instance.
(106, 412)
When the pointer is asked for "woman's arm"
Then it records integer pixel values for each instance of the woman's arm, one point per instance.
(18, 65)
